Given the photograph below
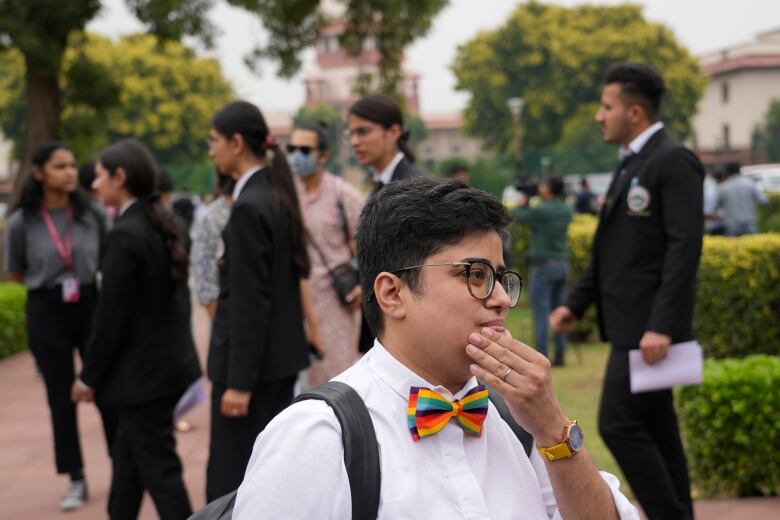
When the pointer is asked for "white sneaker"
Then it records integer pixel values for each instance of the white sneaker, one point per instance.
(75, 496)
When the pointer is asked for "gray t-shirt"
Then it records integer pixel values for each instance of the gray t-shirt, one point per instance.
(737, 199)
(30, 250)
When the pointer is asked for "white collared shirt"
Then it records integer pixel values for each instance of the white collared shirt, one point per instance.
(386, 175)
(241, 182)
(640, 141)
(125, 207)
(297, 465)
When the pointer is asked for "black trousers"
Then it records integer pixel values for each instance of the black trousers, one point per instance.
(54, 328)
(232, 440)
(145, 458)
(641, 431)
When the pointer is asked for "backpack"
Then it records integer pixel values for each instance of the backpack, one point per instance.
(361, 452)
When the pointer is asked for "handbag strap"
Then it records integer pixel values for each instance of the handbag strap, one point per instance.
(320, 253)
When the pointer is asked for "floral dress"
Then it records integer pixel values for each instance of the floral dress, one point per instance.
(338, 325)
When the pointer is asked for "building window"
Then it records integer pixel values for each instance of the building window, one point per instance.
(455, 149)
(726, 137)
(724, 92)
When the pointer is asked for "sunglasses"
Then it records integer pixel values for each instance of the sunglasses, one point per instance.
(305, 150)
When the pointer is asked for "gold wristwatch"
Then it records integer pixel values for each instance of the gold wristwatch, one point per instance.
(571, 444)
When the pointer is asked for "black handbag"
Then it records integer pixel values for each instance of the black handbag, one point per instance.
(344, 276)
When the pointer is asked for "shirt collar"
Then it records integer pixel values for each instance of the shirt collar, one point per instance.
(401, 378)
(639, 142)
(386, 175)
(241, 182)
(125, 207)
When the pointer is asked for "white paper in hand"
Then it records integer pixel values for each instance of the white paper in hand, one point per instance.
(681, 366)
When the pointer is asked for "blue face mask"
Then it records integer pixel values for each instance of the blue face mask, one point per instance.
(302, 165)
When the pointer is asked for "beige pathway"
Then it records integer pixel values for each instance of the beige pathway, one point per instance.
(30, 490)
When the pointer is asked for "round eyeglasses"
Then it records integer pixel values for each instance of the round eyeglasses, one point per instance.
(481, 279)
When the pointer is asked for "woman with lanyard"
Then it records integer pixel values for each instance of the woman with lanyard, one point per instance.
(53, 241)
(258, 344)
(141, 356)
(375, 128)
(330, 208)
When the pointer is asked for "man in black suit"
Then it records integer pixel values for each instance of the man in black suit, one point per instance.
(258, 344)
(642, 279)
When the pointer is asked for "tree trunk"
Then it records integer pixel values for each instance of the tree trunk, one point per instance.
(43, 115)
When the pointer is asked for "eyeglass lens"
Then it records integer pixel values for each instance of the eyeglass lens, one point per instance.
(481, 279)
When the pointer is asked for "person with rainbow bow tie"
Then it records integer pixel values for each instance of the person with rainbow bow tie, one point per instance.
(437, 294)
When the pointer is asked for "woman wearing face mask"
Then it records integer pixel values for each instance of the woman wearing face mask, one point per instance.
(375, 127)
(330, 208)
(53, 241)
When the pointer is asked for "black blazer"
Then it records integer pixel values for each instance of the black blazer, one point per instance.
(257, 335)
(141, 348)
(405, 169)
(642, 274)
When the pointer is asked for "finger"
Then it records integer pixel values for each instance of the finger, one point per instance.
(497, 341)
(487, 362)
(487, 378)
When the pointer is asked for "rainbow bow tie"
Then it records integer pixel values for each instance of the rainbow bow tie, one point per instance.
(430, 411)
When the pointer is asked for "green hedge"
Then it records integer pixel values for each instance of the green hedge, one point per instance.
(731, 427)
(738, 301)
(12, 333)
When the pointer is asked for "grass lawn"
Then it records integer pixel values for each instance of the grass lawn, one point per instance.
(578, 385)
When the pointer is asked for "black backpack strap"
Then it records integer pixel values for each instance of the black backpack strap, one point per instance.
(525, 438)
(361, 451)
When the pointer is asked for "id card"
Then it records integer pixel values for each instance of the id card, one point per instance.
(70, 290)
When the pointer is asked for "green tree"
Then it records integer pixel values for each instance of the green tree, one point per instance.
(766, 135)
(40, 29)
(157, 91)
(555, 58)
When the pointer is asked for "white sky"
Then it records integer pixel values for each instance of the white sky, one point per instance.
(701, 25)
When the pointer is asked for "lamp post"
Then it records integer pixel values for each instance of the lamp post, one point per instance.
(515, 106)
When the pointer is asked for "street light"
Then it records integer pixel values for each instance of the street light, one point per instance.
(515, 106)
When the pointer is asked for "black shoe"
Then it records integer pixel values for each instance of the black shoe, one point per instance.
(558, 362)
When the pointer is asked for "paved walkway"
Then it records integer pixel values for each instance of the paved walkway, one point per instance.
(30, 490)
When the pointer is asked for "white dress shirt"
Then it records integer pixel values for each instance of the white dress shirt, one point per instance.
(297, 465)
(640, 141)
(241, 182)
(386, 175)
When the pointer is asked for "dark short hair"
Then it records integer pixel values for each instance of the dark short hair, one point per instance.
(555, 184)
(319, 128)
(455, 169)
(407, 221)
(732, 168)
(640, 83)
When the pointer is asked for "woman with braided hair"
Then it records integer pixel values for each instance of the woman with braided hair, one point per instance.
(141, 356)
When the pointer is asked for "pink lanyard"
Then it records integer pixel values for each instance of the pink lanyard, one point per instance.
(65, 250)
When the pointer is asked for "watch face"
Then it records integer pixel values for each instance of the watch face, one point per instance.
(575, 437)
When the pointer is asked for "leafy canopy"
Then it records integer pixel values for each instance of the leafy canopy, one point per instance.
(555, 58)
(159, 92)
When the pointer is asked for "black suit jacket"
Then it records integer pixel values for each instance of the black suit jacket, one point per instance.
(405, 169)
(642, 274)
(141, 348)
(257, 335)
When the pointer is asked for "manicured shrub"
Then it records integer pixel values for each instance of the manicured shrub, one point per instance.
(738, 296)
(731, 427)
(12, 332)
(738, 291)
